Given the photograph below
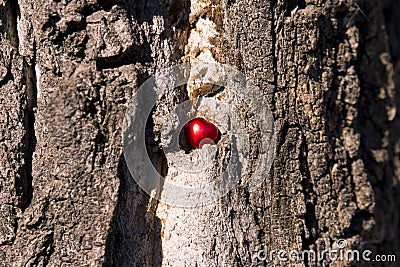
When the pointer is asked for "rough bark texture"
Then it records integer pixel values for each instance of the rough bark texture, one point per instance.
(330, 71)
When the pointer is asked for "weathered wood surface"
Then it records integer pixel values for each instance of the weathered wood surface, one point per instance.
(329, 69)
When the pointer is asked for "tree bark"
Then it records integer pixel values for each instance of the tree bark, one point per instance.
(68, 69)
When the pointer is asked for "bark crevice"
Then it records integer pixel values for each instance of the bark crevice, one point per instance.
(273, 50)
(23, 184)
(12, 14)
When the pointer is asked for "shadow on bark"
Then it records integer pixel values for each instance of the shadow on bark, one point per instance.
(378, 133)
(135, 237)
(378, 123)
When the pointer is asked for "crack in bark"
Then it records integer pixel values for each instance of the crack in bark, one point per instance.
(23, 185)
(310, 218)
(273, 41)
(11, 28)
(135, 54)
(42, 258)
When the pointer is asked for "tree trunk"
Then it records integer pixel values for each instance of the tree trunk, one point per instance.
(68, 70)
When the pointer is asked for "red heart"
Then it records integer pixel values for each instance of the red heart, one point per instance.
(200, 132)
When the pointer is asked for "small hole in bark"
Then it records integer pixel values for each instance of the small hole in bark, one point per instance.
(184, 142)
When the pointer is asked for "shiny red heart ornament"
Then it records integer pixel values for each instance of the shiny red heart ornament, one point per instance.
(200, 132)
